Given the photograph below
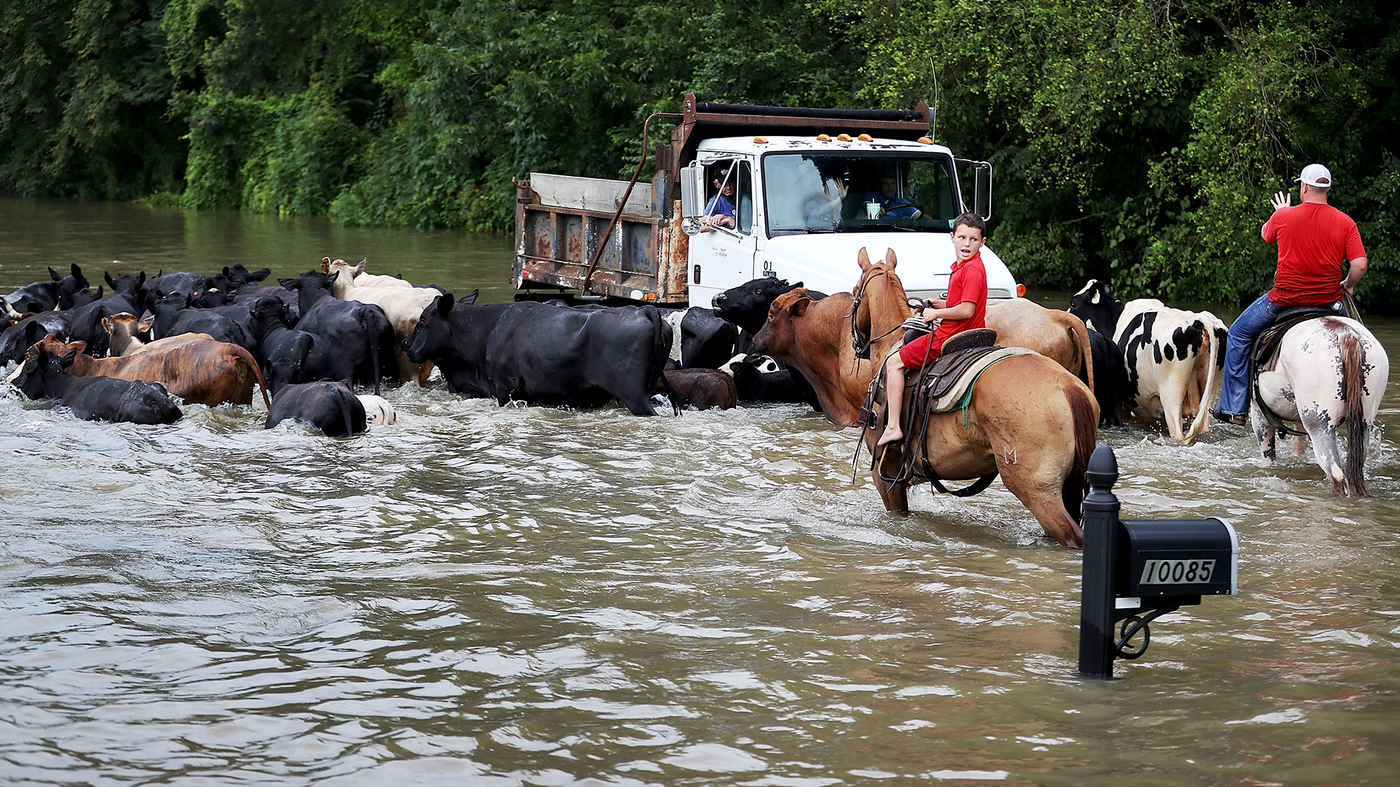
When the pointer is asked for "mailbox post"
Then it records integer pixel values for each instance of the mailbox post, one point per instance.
(1137, 570)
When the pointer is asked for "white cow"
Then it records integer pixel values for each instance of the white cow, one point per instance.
(402, 305)
(362, 279)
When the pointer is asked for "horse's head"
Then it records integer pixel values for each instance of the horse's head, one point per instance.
(880, 302)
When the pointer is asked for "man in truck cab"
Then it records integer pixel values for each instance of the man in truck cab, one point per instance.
(963, 310)
(719, 212)
(892, 206)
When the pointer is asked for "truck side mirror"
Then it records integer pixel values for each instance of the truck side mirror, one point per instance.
(692, 198)
(981, 187)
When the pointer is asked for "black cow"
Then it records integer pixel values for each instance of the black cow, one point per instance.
(762, 378)
(241, 284)
(747, 305)
(17, 338)
(1110, 378)
(45, 376)
(86, 324)
(329, 406)
(60, 292)
(173, 316)
(544, 354)
(284, 352)
(193, 285)
(706, 339)
(358, 341)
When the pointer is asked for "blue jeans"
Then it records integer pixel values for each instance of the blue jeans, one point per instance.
(1234, 385)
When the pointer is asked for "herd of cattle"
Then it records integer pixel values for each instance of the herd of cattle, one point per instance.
(309, 342)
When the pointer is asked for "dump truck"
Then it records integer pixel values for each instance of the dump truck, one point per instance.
(810, 188)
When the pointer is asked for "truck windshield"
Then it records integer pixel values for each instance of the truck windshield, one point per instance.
(858, 192)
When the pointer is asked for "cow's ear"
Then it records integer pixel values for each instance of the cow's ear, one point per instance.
(798, 307)
(67, 358)
(79, 346)
(107, 325)
(890, 258)
(53, 274)
(145, 324)
(31, 333)
(470, 298)
(226, 271)
(325, 264)
(78, 275)
(361, 267)
(107, 277)
(445, 303)
(260, 274)
(290, 284)
(332, 277)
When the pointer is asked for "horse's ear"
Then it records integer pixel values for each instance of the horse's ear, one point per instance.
(863, 259)
(890, 259)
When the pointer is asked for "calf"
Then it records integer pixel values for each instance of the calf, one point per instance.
(329, 406)
(763, 378)
(702, 389)
(357, 339)
(544, 354)
(1171, 357)
(45, 376)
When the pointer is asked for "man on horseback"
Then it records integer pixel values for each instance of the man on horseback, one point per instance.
(1314, 241)
(964, 309)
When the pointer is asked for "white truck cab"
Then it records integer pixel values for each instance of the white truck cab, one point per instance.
(805, 206)
(743, 192)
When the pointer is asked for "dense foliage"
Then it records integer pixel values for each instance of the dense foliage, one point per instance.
(1135, 140)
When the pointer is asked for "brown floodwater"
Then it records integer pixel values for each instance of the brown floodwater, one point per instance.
(484, 595)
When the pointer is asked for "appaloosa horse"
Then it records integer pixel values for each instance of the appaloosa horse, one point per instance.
(1329, 371)
(1029, 419)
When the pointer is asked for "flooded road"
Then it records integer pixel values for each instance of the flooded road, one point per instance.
(482, 595)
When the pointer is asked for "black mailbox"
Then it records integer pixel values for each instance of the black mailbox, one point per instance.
(1176, 557)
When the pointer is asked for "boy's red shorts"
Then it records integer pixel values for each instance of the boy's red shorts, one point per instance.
(916, 353)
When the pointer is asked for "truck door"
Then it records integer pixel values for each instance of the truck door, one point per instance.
(722, 253)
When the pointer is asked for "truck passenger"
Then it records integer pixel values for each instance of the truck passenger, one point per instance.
(719, 212)
(964, 309)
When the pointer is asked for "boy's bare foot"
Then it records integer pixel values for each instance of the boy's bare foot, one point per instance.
(891, 434)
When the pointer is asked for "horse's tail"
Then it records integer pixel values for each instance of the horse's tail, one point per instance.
(1086, 425)
(1358, 428)
(1208, 339)
(1079, 336)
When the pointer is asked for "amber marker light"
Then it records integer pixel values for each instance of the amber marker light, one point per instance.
(823, 138)
(1020, 291)
(844, 137)
(865, 138)
(760, 140)
(925, 140)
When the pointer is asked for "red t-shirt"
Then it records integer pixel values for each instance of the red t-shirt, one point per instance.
(1314, 241)
(968, 282)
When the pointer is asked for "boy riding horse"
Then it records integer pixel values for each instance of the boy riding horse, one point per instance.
(964, 309)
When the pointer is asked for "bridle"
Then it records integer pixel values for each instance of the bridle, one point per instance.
(859, 342)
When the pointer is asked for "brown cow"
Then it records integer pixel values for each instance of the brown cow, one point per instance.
(199, 371)
(1057, 335)
(814, 337)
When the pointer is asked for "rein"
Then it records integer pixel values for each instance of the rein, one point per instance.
(862, 344)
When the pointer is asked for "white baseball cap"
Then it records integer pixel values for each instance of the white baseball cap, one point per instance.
(1317, 176)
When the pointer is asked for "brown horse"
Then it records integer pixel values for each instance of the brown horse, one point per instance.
(1030, 419)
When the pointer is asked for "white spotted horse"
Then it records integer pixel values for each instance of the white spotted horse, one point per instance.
(1320, 370)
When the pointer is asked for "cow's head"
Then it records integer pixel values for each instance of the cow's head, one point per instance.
(32, 376)
(777, 335)
(126, 284)
(432, 329)
(1096, 306)
(747, 305)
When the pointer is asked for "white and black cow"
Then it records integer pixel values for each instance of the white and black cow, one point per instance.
(1172, 358)
(45, 375)
(544, 354)
(700, 338)
(329, 406)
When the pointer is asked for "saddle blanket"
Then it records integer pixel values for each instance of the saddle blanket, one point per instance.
(959, 393)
